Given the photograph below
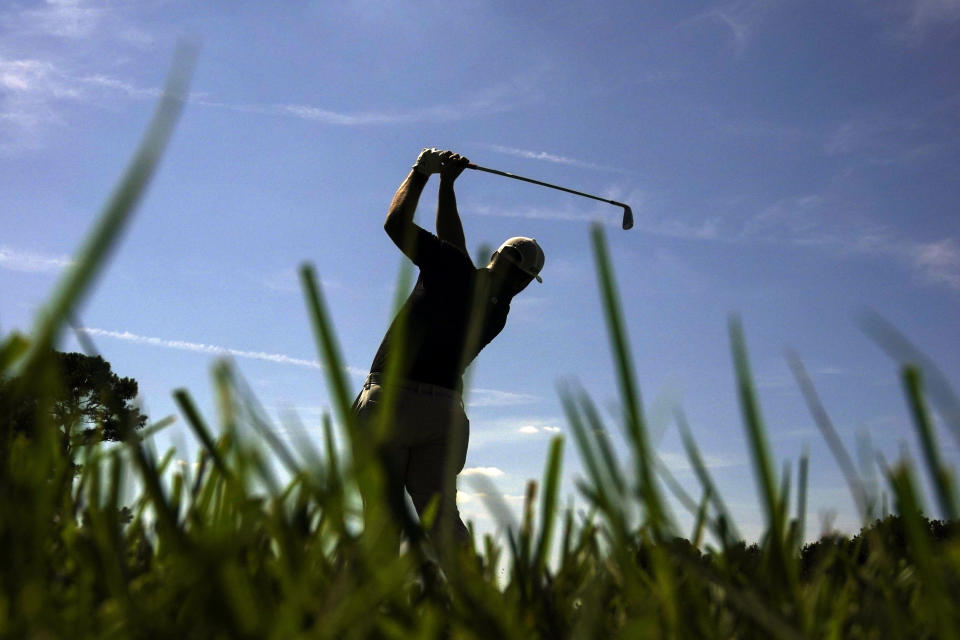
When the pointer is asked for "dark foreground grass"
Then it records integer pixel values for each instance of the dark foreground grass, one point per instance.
(121, 543)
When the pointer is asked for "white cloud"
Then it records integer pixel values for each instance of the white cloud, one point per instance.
(913, 21)
(29, 262)
(490, 104)
(32, 92)
(802, 221)
(29, 89)
(937, 261)
(111, 83)
(497, 432)
(496, 398)
(490, 472)
(71, 19)
(531, 429)
(197, 347)
(738, 18)
(551, 157)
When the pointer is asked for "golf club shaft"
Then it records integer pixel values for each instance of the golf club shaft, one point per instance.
(542, 184)
(628, 214)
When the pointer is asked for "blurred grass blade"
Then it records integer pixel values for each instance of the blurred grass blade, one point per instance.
(114, 218)
(495, 504)
(706, 481)
(904, 352)
(696, 537)
(629, 392)
(328, 349)
(920, 548)
(756, 438)
(802, 480)
(153, 429)
(199, 427)
(551, 485)
(939, 474)
(823, 422)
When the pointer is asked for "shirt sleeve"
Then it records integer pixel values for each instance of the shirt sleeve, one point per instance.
(432, 254)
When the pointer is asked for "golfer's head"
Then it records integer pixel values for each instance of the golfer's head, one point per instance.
(519, 260)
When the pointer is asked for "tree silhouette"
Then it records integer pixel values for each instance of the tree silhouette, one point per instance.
(89, 402)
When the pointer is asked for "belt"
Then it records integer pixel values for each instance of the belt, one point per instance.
(412, 385)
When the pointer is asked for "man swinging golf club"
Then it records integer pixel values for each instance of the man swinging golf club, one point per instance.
(454, 311)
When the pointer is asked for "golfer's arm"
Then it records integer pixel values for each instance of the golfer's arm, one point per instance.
(449, 227)
(399, 223)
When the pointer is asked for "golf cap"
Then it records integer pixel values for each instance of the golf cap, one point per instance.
(525, 253)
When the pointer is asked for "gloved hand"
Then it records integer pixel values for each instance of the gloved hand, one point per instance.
(428, 162)
(453, 165)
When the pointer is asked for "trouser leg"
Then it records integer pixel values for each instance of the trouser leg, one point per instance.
(432, 470)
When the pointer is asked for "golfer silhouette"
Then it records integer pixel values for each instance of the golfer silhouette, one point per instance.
(453, 312)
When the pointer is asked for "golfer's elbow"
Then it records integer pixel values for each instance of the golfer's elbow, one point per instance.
(400, 230)
(393, 225)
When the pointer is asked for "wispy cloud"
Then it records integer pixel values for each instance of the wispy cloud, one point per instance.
(553, 158)
(738, 18)
(490, 101)
(34, 95)
(936, 261)
(114, 84)
(496, 398)
(72, 19)
(889, 138)
(430, 113)
(807, 220)
(30, 262)
(800, 221)
(76, 20)
(913, 21)
(197, 347)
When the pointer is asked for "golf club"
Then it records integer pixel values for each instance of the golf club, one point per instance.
(627, 212)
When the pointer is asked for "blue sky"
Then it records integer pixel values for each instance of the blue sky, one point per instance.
(793, 162)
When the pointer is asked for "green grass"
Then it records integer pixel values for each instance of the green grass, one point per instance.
(128, 545)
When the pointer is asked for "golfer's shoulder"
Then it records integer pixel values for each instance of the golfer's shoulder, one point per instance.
(453, 256)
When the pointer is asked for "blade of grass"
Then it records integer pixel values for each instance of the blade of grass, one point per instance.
(802, 472)
(629, 393)
(829, 433)
(904, 352)
(551, 485)
(939, 475)
(328, 348)
(200, 429)
(730, 533)
(927, 564)
(759, 449)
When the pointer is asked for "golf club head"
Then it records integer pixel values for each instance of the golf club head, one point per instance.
(627, 217)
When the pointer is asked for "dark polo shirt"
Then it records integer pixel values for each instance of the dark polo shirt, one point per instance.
(448, 318)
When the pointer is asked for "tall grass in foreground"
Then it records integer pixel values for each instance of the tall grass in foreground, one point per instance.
(227, 550)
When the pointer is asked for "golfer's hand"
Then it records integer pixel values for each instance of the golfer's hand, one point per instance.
(453, 165)
(428, 162)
